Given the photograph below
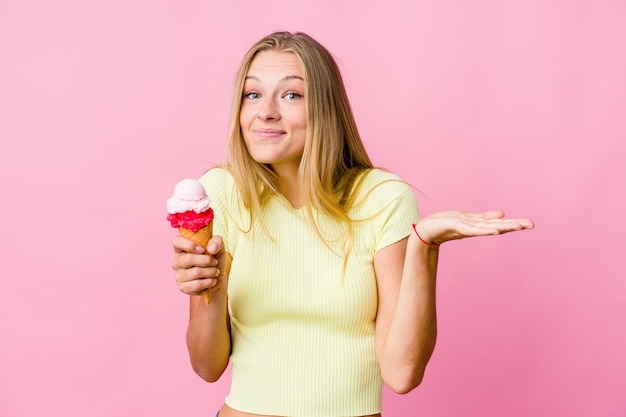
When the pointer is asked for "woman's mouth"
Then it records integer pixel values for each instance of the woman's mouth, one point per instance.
(268, 133)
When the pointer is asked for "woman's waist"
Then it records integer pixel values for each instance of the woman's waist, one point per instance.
(227, 411)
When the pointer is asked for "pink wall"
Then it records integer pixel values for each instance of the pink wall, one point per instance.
(517, 105)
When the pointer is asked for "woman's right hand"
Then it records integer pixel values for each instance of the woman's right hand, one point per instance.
(195, 269)
(208, 333)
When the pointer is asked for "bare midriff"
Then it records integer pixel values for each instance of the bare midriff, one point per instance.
(226, 411)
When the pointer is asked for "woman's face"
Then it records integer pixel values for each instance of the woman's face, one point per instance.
(273, 114)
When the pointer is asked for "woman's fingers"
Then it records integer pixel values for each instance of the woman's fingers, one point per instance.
(194, 269)
(184, 260)
(195, 279)
(182, 244)
(196, 286)
(511, 224)
(493, 214)
(495, 226)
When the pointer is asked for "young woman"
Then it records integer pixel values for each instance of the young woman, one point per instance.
(322, 275)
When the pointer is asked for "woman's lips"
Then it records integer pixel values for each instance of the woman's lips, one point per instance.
(268, 133)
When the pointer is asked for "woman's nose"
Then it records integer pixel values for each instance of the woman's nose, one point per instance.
(269, 110)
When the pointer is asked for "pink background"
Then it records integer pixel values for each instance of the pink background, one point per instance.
(517, 105)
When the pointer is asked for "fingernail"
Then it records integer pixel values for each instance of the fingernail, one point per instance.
(199, 249)
(212, 248)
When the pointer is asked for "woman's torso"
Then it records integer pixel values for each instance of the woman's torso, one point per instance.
(303, 301)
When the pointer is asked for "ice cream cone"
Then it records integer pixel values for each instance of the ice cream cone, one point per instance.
(201, 237)
(189, 209)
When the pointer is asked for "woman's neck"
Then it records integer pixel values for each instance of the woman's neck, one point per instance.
(288, 184)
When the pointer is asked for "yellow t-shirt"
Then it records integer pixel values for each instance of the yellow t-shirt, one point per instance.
(303, 333)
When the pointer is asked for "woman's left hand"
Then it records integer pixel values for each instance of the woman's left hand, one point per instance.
(452, 225)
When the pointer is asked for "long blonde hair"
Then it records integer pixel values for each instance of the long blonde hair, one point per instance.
(334, 153)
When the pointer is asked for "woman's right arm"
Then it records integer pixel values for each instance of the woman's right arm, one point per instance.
(208, 333)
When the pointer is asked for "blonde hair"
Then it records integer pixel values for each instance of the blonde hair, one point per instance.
(333, 154)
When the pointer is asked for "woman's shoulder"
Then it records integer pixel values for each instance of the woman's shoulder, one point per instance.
(375, 188)
(218, 175)
(381, 174)
(218, 182)
(379, 193)
(380, 181)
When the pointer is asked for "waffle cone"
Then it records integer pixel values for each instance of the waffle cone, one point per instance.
(201, 237)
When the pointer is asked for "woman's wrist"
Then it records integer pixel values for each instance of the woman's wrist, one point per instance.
(426, 242)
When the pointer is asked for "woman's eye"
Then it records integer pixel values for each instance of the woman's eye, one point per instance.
(292, 96)
(252, 95)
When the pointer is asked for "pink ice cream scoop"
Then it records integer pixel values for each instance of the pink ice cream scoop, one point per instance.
(189, 207)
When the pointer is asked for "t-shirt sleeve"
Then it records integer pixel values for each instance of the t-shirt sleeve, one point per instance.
(396, 211)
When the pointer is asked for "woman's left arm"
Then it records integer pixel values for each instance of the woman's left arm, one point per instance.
(406, 323)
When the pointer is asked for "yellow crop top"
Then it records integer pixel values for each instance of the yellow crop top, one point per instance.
(303, 333)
